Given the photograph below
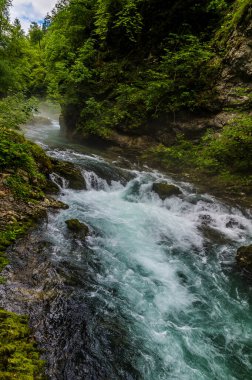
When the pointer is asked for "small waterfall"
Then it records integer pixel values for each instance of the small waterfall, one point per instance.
(94, 182)
(60, 181)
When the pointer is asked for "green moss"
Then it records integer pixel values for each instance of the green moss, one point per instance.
(77, 227)
(230, 150)
(42, 160)
(24, 165)
(27, 163)
(23, 190)
(165, 190)
(19, 356)
(240, 12)
(15, 152)
(70, 173)
(9, 235)
(3, 261)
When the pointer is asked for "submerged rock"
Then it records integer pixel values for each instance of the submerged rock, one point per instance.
(71, 173)
(244, 258)
(79, 229)
(165, 190)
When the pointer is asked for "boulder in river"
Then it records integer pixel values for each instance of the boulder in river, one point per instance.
(51, 188)
(165, 190)
(78, 228)
(244, 258)
(71, 173)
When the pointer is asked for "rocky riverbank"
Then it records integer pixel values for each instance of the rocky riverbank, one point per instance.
(26, 196)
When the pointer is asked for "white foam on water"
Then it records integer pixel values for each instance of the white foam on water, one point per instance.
(144, 244)
(162, 271)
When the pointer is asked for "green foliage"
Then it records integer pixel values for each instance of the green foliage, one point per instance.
(15, 152)
(21, 60)
(230, 150)
(102, 18)
(19, 357)
(16, 110)
(241, 9)
(27, 162)
(227, 153)
(35, 33)
(130, 20)
(218, 5)
(183, 75)
(181, 154)
(131, 61)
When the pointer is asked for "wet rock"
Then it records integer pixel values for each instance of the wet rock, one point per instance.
(79, 229)
(71, 173)
(55, 204)
(165, 190)
(244, 258)
(51, 188)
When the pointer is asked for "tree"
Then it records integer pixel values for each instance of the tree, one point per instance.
(35, 33)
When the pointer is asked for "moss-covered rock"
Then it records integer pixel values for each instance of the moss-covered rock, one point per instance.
(165, 190)
(54, 204)
(19, 357)
(79, 229)
(71, 173)
(244, 258)
(51, 188)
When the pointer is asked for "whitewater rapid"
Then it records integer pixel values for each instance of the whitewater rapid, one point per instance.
(157, 277)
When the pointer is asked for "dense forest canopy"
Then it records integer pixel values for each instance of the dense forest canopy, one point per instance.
(130, 61)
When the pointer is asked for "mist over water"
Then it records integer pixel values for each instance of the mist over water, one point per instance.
(153, 292)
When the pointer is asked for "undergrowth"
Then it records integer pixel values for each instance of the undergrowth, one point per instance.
(226, 153)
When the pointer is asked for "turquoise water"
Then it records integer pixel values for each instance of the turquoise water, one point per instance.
(165, 300)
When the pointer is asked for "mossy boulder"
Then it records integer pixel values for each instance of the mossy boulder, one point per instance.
(244, 258)
(79, 229)
(71, 173)
(19, 356)
(165, 190)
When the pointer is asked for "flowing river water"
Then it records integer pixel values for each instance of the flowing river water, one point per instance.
(152, 294)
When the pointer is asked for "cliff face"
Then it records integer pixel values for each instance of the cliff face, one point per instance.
(235, 83)
(239, 56)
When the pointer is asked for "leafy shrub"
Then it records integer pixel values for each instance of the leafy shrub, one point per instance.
(16, 110)
(227, 152)
(240, 9)
(232, 148)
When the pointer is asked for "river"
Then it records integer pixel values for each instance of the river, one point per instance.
(152, 294)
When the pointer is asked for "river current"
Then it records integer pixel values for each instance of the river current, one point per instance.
(152, 294)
